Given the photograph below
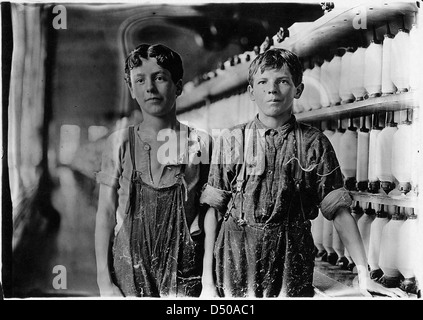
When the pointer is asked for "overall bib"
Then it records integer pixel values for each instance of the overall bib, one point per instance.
(266, 259)
(154, 254)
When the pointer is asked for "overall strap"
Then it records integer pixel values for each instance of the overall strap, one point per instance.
(131, 135)
(298, 172)
(240, 180)
(132, 145)
(182, 167)
(186, 158)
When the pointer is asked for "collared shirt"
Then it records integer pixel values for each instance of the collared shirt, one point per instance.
(269, 157)
(116, 166)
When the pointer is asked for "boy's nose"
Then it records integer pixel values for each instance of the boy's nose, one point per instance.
(272, 88)
(150, 86)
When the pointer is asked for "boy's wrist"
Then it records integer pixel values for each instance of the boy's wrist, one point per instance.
(207, 282)
(103, 278)
(363, 276)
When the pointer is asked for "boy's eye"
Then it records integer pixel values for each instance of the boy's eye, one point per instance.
(160, 78)
(141, 81)
(283, 81)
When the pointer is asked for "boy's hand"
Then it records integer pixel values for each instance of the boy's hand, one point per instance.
(368, 286)
(109, 290)
(372, 286)
(209, 291)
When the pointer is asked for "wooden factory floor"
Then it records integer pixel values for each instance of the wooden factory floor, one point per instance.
(71, 248)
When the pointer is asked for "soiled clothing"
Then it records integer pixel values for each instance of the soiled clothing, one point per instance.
(264, 246)
(116, 167)
(155, 252)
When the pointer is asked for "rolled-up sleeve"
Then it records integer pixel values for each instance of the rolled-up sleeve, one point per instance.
(215, 198)
(335, 200)
(330, 181)
(217, 192)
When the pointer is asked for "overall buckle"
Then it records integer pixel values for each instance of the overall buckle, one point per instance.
(241, 222)
(239, 185)
(297, 184)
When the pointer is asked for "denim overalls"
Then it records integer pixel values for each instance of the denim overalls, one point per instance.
(154, 254)
(272, 258)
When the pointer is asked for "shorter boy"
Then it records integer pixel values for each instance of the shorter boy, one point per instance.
(279, 172)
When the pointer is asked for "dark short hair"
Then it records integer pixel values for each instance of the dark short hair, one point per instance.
(166, 58)
(276, 58)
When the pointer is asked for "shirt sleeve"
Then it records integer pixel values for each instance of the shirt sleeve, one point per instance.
(331, 192)
(217, 192)
(200, 145)
(111, 168)
(206, 148)
(336, 199)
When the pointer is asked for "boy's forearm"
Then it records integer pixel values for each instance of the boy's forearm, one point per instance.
(104, 226)
(103, 230)
(210, 226)
(347, 229)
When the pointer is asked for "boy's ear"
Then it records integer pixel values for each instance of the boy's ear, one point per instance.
(179, 88)
(131, 90)
(299, 90)
(251, 92)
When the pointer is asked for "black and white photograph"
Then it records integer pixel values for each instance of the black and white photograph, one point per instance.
(217, 152)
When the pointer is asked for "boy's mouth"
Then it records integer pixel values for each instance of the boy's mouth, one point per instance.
(153, 99)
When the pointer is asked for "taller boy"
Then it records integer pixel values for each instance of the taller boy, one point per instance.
(150, 183)
(261, 209)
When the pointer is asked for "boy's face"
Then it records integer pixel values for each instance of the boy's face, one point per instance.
(274, 91)
(153, 88)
